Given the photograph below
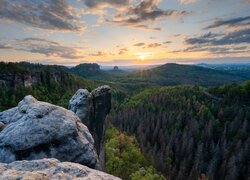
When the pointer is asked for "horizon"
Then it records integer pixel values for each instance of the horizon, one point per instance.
(107, 67)
(125, 33)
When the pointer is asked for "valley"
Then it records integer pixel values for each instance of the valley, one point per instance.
(182, 121)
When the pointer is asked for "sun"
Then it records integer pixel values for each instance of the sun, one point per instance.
(143, 55)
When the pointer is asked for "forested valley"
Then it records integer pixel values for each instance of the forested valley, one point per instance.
(191, 132)
(160, 126)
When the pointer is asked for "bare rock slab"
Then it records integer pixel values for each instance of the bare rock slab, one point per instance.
(36, 130)
(46, 169)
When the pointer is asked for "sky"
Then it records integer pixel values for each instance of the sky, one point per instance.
(125, 32)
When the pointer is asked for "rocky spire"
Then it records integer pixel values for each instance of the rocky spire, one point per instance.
(92, 109)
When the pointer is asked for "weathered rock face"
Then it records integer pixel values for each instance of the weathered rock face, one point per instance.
(36, 130)
(81, 105)
(15, 80)
(92, 109)
(46, 169)
(101, 107)
(27, 79)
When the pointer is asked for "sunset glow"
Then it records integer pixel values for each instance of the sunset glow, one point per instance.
(125, 32)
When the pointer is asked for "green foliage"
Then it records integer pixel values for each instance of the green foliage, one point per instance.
(54, 84)
(123, 157)
(191, 131)
(175, 74)
(146, 174)
(233, 93)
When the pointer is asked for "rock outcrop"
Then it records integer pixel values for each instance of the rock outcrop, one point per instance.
(92, 109)
(46, 169)
(19, 75)
(36, 130)
(85, 67)
(81, 104)
(27, 79)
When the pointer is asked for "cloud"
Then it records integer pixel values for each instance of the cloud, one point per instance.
(220, 43)
(99, 53)
(167, 42)
(187, 1)
(239, 21)
(45, 14)
(204, 39)
(45, 47)
(147, 27)
(139, 44)
(105, 3)
(146, 11)
(123, 51)
(5, 46)
(154, 45)
(218, 50)
(235, 37)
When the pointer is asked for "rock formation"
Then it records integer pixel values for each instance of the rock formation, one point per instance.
(19, 75)
(36, 130)
(86, 67)
(46, 169)
(81, 104)
(92, 109)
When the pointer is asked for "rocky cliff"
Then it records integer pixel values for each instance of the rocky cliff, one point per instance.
(16, 75)
(27, 79)
(92, 109)
(36, 130)
(46, 169)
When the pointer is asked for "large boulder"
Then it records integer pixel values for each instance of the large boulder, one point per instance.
(36, 130)
(46, 169)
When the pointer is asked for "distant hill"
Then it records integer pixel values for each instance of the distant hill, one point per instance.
(93, 71)
(173, 74)
(164, 75)
(242, 70)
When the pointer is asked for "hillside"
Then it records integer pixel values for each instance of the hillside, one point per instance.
(242, 70)
(166, 75)
(93, 71)
(173, 74)
(191, 132)
(53, 84)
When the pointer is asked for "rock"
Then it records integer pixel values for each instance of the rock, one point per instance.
(101, 107)
(46, 169)
(2, 126)
(81, 104)
(92, 109)
(6, 116)
(36, 130)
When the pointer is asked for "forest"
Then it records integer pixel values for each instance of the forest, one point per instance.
(191, 132)
(154, 131)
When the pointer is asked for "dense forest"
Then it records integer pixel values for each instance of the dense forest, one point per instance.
(182, 132)
(191, 132)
